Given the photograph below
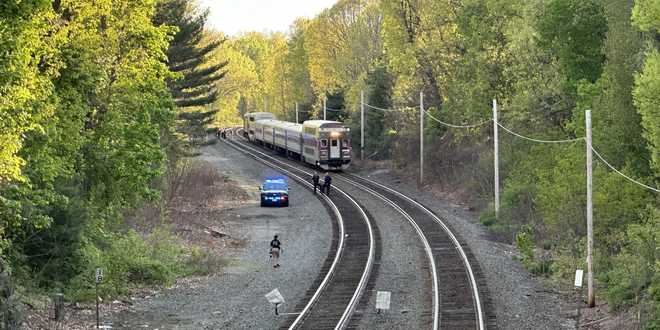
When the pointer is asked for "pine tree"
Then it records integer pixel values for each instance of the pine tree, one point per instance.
(188, 56)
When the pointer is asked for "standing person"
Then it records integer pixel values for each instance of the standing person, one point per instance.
(315, 181)
(327, 180)
(217, 133)
(275, 249)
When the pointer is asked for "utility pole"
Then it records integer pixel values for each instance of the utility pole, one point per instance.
(362, 125)
(296, 112)
(324, 108)
(496, 161)
(421, 138)
(590, 222)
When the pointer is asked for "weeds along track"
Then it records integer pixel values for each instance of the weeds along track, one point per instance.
(331, 300)
(462, 300)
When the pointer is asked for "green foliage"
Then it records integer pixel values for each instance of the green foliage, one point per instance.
(526, 245)
(574, 32)
(647, 100)
(194, 85)
(633, 279)
(128, 261)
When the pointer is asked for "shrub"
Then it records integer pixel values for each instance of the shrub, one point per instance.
(127, 261)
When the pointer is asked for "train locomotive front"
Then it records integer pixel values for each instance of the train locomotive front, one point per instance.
(326, 144)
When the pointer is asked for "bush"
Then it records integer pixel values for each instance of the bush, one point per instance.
(635, 274)
(488, 218)
(128, 261)
(525, 244)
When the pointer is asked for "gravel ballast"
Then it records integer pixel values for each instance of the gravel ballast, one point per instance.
(402, 270)
(234, 299)
(520, 300)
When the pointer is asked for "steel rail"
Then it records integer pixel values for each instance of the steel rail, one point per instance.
(420, 233)
(468, 266)
(350, 308)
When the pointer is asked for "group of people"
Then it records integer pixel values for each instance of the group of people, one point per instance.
(222, 133)
(325, 186)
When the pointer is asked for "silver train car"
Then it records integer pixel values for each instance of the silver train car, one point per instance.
(323, 143)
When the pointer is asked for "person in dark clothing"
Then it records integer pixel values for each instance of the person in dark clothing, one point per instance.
(275, 249)
(315, 181)
(327, 180)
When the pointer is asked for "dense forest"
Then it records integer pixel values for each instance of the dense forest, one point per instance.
(100, 101)
(545, 61)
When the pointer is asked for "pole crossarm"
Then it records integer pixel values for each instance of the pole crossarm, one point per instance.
(621, 173)
(456, 126)
(538, 140)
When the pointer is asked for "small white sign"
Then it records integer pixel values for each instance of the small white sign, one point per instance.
(578, 278)
(383, 299)
(275, 297)
(99, 275)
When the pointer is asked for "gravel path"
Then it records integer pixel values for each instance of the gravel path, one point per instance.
(235, 298)
(520, 300)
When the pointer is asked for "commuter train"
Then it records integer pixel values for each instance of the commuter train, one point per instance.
(323, 143)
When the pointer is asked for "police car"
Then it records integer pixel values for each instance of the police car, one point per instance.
(274, 192)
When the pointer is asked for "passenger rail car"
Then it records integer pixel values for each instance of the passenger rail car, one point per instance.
(324, 143)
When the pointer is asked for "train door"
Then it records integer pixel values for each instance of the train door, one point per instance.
(334, 148)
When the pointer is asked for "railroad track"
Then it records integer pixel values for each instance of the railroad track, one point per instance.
(460, 295)
(332, 299)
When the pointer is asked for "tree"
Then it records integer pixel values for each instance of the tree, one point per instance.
(188, 53)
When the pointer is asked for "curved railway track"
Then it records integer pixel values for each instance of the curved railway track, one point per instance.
(331, 301)
(460, 295)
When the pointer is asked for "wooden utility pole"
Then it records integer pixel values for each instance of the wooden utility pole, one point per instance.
(421, 138)
(591, 301)
(496, 159)
(362, 125)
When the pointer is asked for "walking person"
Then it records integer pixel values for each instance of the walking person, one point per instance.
(275, 249)
(327, 181)
(315, 181)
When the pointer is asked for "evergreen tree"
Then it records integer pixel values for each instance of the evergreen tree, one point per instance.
(188, 53)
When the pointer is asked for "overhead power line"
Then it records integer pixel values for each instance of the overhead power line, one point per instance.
(620, 173)
(453, 125)
(538, 140)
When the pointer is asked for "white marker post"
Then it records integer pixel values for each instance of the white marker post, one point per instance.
(297, 113)
(97, 279)
(382, 300)
(361, 125)
(496, 161)
(324, 108)
(421, 138)
(275, 297)
(590, 223)
(578, 288)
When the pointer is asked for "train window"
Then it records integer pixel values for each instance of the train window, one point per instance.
(334, 143)
(251, 118)
(324, 143)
